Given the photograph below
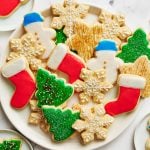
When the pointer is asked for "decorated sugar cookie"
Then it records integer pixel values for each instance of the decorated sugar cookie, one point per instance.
(51, 90)
(138, 45)
(60, 122)
(13, 144)
(28, 47)
(85, 39)
(129, 94)
(60, 36)
(114, 27)
(92, 86)
(7, 7)
(106, 58)
(66, 14)
(93, 124)
(140, 67)
(36, 116)
(65, 61)
(33, 23)
(18, 72)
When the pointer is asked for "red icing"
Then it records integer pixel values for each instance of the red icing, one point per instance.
(25, 87)
(72, 66)
(126, 102)
(8, 6)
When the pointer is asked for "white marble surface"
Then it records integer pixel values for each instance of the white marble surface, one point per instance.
(137, 13)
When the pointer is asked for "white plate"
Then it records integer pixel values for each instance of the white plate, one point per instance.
(141, 134)
(15, 19)
(10, 134)
(20, 118)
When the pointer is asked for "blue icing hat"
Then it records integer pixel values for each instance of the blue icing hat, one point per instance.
(105, 45)
(31, 18)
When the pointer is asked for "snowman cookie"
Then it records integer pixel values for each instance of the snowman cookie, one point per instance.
(33, 23)
(105, 58)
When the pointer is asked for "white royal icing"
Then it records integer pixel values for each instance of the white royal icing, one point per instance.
(13, 67)
(107, 59)
(57, 56)
(45, 36)
(132, 81)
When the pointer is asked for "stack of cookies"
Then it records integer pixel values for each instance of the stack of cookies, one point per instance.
(50, 65)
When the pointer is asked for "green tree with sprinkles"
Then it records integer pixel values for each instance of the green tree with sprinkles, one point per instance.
(51, 90)
(10, 145)
(60, 122)
(137, 46)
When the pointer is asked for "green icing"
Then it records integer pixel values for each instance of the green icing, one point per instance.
(51, 90)
(137, 46)
(60, 36)
(60, 121)
(10, 145)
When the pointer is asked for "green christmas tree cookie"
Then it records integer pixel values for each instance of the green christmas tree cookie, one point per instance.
(60, 36)
(51, 90)
(11, 145)
(60, 122)
(137, 46)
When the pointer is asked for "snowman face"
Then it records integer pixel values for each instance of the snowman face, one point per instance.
(105, 60)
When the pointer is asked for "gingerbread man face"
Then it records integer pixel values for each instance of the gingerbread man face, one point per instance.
(105, 58)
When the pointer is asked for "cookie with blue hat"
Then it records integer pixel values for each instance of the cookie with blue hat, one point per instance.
(105, 53)
(34, 23)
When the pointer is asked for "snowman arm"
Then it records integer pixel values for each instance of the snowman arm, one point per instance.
(120, 62)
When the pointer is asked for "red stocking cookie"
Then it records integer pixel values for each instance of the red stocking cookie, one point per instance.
(17, 71)
(130, 89)
(63, 60)
(9, 6)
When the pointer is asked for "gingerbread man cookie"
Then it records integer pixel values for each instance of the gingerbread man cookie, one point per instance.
(33, 23)
(93, 87)
(114, 27)
(105, 58)
(94, 123)
(7, 7)
(85, 39)
(66, 14)
(28, 47)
